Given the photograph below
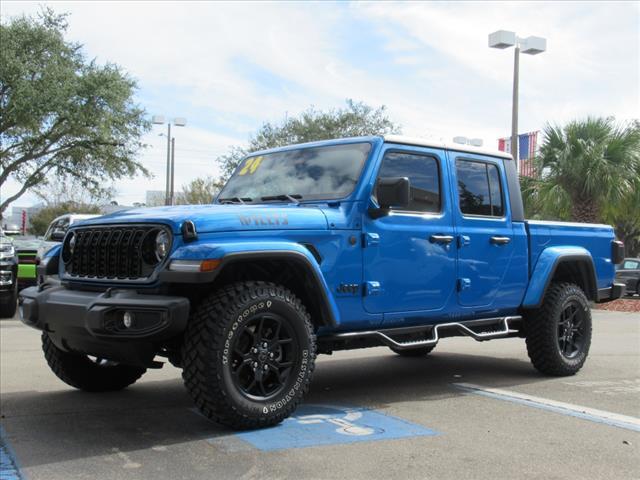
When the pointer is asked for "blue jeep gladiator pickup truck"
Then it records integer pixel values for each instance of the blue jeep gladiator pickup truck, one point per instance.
(310, 249)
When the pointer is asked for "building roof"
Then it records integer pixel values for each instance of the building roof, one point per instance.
(458, 147)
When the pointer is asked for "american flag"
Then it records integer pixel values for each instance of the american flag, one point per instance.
(527, 143)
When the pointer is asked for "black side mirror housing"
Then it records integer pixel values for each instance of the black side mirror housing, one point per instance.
(57, 235)
(391, 192)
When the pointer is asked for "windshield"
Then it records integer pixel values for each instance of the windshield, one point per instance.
(320, 173)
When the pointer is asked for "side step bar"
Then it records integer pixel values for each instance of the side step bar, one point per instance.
(502, 323)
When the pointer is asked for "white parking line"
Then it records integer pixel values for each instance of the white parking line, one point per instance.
(592, 414)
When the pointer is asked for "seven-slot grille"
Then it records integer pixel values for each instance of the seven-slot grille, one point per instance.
(111, 252)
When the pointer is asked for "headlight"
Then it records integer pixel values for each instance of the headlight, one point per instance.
(7, 251)
(72, 243)
(162, 245)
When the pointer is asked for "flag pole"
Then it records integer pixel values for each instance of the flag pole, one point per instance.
(514, 112)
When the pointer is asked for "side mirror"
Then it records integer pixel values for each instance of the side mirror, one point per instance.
(57, 235)
(391, 192)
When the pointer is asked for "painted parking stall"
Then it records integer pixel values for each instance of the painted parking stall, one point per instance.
(317, 425)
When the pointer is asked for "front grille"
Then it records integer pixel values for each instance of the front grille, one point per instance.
(111, 252)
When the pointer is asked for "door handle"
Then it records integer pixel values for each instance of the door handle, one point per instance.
(500, 240)
(442, 239)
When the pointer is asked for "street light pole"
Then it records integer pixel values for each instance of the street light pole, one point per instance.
(514, 107)
(173, 165)
(167, 199)
(531, 46)
(171, 146)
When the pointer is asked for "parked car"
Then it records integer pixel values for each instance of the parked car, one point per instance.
(8, 277)
(628, 273)
(58, 228)
(26, 249)
(315, 248)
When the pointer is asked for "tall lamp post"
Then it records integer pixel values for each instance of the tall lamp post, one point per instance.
(531, 46)
(171, 146)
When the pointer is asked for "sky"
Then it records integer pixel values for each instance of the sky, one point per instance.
(229, 67)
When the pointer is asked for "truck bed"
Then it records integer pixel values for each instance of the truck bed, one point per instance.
(595, 238)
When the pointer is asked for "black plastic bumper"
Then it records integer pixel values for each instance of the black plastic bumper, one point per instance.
(94, 322)
(612, 293)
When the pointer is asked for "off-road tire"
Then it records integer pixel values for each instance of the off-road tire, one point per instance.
(414, 352)
(221, 322)
(9, 303)
(542, 330)
(81, 372)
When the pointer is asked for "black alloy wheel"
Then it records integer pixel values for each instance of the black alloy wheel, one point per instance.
(571, 329)
(262, 357)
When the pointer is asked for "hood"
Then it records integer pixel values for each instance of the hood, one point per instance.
(222, 218)
(27, 244)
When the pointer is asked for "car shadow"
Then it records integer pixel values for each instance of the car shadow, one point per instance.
(56, 426)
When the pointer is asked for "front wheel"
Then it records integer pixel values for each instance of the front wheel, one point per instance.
(558, 334)
(249, 354)
(87, 373)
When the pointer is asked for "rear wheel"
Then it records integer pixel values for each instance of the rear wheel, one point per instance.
(558, 334)
(414, 352)
(88, 373)
(249, 354)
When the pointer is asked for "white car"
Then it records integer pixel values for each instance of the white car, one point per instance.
(58, 228)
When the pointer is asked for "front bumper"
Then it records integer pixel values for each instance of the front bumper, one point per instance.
(94, 322)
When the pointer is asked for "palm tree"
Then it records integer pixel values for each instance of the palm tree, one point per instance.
(588, 168)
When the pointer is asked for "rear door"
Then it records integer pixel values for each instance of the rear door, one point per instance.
(483, 228)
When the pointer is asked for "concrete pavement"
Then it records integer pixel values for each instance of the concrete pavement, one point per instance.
(151, 431)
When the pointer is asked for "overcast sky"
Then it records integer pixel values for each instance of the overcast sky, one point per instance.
(229, 67)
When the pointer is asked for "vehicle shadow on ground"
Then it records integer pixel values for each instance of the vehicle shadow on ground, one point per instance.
(67, 424)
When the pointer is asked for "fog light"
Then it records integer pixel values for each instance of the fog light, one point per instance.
(127, 319)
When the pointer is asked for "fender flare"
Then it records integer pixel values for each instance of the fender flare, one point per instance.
(548, 263)
(328, 306)
(268, 250)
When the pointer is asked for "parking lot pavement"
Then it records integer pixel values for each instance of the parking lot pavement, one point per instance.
(468, 410)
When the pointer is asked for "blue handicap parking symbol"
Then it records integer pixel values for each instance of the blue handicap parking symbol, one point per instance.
(314, 425)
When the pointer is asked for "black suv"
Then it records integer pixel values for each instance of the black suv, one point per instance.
(8, 277)
(629, 273)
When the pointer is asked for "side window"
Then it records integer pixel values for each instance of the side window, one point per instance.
(423, 174)
(479, 188)
(63, 224)
(52, 227)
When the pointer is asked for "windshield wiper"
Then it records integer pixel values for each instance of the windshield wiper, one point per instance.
(292, 198)
(235, 200)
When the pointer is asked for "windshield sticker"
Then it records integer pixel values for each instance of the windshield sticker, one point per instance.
(251, 165)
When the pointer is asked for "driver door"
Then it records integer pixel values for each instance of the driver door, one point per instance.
(410, 255)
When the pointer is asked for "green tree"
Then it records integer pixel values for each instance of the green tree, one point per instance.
(199, 191)
(61, 114)
(41, 220)
(69, 190)
(356, 119)
(589, 170)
